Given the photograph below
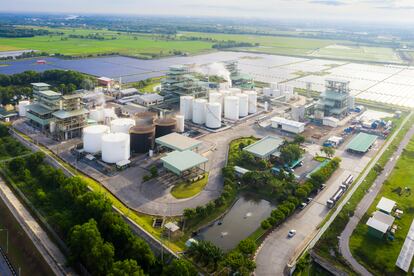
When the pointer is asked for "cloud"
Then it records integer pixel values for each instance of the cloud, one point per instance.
(329, 2)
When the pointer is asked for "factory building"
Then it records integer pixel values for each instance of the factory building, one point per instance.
(335, 100)
(287, 125)
(39, 113)
(237, 79)
(149, 99)
(180, 82)
(265, 147)
(70, 119)
(63, 116)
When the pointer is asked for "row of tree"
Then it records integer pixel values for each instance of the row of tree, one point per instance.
(11, 31)
(289, 205)
(96, 236)
(233, 44)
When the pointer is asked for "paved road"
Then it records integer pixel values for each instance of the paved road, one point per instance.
(366, 203)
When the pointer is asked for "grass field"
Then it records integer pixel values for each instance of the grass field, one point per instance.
(128, 44)
(380, 255)
(186, 190)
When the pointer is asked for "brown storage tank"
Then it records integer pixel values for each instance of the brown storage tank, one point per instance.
(142, 138)
(145, 118)
(164, 126)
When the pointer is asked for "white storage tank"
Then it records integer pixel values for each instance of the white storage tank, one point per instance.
(215, 97)
(22, 108)
(234, 91)
(115, 147)
(231, 108)
(186, 107)
(213, 115)
(243, 104)
(252, 101)
(199, 111)
(92, 137)
(180, 123)
(97, 114)
(122, 125)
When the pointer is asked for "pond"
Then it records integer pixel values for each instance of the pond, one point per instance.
(242, 220)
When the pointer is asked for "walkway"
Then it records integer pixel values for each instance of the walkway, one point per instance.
(366, 203)
(50, 252)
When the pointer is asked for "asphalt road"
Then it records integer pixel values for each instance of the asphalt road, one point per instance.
(366, 203)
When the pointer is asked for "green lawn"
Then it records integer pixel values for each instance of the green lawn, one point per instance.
(380, 255)
(186, 190)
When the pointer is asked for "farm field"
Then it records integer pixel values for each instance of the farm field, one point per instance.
(358, 53)
(380, 255)
(334, 49)
(138, 45)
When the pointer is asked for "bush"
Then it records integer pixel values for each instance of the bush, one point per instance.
(265, 224)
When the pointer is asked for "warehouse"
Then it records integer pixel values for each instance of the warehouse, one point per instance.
(178, 142)
(288, 125)
(264, 148)
(179, 162)
(361, 143)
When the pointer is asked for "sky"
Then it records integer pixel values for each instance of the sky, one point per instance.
(393, 11)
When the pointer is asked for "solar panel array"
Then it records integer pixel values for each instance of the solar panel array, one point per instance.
(407, 251)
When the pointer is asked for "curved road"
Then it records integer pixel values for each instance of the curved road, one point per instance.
(366, 203)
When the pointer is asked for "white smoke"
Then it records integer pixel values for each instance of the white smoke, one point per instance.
(214, 69)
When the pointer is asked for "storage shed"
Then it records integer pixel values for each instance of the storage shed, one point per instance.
(287, 125)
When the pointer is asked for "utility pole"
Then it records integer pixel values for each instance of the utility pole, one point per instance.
(7, 239)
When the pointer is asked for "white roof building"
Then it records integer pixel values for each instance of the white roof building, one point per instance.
(386, 205)
(287, 125)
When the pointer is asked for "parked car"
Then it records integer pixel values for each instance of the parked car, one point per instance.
(291, 233)
(309, 200)
(303, 205)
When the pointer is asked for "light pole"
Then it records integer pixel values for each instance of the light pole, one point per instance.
(7, 239)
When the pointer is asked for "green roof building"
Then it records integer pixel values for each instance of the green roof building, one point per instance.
(179, 162)
(361, 143)
(265, 147)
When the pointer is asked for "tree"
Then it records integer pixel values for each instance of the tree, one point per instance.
(239, 264)
(299, 139)
(87, 246)
(206, 252)
(290, 152)
(247, 246)
(180, 267)
(126, 268)
(329, 151)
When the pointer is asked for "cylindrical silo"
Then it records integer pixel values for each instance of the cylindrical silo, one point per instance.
(213, 115)
(199, 111)
(234, 91)
(122, 125)
(243, 104)
(97, 114)
(145, 118)
(164, 126)
(231, 108)
(186, 107)
(252, 101)
(215, 97)
(22, 108)
(92, 137)
(115, 147)
(180, 123)
(142, 138)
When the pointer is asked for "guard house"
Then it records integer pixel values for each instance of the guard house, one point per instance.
(335, 100)
(181, 162)
(45, 103)
(265, 147)
(386, 205)
(379, 224)
(178, 142)
(70, 119)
